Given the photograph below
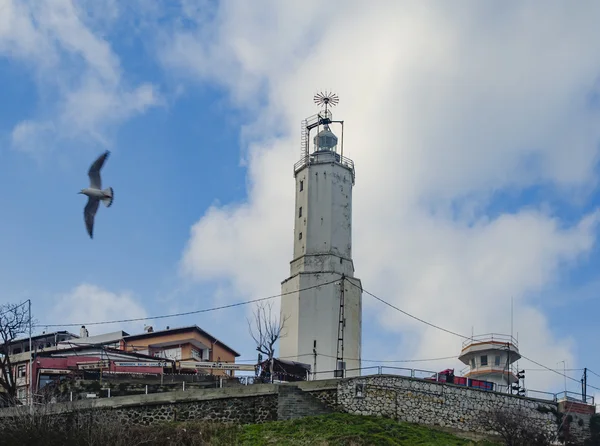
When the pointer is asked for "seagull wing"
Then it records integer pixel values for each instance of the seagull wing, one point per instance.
(89, 213)
(94, 172)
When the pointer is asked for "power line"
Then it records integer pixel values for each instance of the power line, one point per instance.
(409, 360)
(593, 373)
(459, 335)
(382, 361)
(408, 314)
(10, 307)
(186, 313)
(558, 373)
(206, 310)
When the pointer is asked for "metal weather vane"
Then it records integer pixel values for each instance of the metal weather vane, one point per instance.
(326, 99)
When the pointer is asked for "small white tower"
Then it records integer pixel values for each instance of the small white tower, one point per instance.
(490, 358)
(323, 323)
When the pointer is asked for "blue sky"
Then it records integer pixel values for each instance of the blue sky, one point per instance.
(473, 133)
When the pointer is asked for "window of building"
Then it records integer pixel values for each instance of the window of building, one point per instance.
(300, 212)
(196, 354)
(484, 360)
(21, 371)
(21, 394)
(169, 353)
(472, 363)
(497, 360)
(300, 236)
(301, 185)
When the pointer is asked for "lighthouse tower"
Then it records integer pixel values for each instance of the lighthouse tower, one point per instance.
(322, 300)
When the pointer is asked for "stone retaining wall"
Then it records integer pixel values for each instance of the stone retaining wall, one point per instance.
(447, 406)
(576, 424)
(239, 405)
(436, 404)
(243, 405)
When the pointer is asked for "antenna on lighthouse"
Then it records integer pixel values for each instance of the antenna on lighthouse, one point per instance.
(326, 99)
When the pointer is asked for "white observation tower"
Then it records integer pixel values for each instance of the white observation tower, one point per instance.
(323, 323)
(490, 357)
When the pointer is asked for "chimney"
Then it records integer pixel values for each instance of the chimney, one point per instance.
(83, 332)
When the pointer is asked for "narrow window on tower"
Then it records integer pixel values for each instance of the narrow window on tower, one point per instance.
(300, 212)
(301, 185)
(300, 236)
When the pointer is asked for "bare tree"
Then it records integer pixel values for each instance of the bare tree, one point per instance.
(268, 331)
(14, 321)
(514, 427)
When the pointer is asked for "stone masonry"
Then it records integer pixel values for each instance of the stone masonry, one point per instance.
(239, 405)
(293, 403)
(576, 422)
(455, 408)
(452, 407)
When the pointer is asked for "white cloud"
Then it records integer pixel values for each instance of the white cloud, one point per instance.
(75, 69)
(90, 303)
(444, 105)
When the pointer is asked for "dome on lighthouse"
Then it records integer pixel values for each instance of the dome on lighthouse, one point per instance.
(325, 140)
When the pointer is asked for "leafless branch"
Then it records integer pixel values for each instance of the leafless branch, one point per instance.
(514, 427)
(268, 329)
(14, 321)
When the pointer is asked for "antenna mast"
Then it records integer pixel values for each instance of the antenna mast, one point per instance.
(325, 99)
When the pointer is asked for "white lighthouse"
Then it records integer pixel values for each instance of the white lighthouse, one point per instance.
(322, 300)
(490, 357)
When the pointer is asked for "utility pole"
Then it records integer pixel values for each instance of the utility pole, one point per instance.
(564, 375)
(584, 385)
(30, 373)
(314, 359)
(508, 385)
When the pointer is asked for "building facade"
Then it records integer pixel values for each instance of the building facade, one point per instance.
(182, 345)
(62, 354)
(491, 357)
(20, 355)
(322, 300)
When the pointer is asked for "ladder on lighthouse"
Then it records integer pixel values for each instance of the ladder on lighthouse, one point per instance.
(340, 365)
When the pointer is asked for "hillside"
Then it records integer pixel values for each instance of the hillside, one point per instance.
(344, 429)
(324, 430)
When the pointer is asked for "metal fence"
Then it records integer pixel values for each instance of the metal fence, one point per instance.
(434, 376)
(491, 337)
(172, 383)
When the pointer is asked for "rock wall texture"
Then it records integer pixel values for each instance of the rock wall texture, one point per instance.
(241, 405)
(293, 402)
(443, 405)
(247, 404)
(456, 408)
(575, 423)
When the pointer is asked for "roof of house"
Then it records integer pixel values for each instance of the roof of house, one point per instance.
(101, 350)
(104, 338)
(41, 336)
(181, 330)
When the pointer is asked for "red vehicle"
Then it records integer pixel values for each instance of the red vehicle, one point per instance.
(447, 376)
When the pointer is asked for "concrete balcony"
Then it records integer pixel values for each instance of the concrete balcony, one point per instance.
(489, 344)
(493, 373)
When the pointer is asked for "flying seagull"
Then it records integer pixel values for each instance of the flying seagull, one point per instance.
(95, 193)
